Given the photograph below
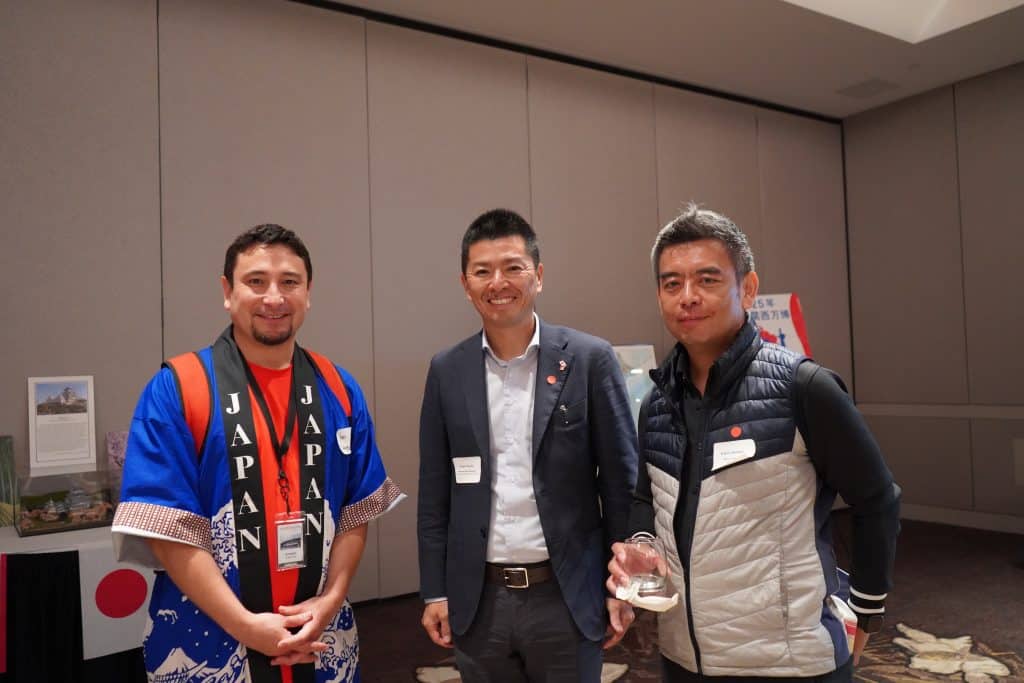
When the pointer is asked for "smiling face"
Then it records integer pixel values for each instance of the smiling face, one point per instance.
(702, 303)
(267, 297)
(502, 282)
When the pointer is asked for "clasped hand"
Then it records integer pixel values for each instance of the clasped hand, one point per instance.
(274, 634)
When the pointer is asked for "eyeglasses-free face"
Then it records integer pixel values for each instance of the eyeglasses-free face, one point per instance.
(502, 282)
(267, 296)
(703, 304)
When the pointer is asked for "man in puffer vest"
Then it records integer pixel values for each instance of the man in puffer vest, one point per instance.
(743, 448)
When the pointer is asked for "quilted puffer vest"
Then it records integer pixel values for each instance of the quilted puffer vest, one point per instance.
(752, 589)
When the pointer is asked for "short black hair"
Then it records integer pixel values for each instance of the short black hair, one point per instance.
(266, 235)
(695, 223)
(495, 224)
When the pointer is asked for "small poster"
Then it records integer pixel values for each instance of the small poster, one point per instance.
(781, 321)
(636, 361)
(116, 444)
(62, 425)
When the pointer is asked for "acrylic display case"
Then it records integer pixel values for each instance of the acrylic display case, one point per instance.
(62, 502)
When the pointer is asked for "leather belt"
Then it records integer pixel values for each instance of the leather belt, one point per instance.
(519, 576)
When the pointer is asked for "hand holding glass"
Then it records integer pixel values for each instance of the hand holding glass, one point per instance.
(645, 563)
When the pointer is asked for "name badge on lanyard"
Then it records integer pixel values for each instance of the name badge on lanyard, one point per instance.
(291, 542)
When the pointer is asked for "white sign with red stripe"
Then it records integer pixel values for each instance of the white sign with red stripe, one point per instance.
(781, 320)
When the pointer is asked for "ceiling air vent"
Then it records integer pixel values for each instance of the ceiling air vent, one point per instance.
(868, 88)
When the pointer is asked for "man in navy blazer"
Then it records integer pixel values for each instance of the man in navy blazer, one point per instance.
(527, 465)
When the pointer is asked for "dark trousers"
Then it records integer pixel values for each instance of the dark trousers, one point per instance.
(526, 634)
(673, 673)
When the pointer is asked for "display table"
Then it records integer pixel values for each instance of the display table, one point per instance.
(68, 607)
(10, 542)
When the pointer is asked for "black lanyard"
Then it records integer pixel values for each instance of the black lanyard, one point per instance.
(280, 447)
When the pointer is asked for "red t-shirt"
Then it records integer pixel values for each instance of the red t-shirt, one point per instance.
(276, 386)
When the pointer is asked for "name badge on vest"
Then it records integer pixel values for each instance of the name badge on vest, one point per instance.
(726, 453)
(291, 544)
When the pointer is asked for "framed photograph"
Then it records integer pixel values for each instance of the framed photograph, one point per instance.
(62, 425)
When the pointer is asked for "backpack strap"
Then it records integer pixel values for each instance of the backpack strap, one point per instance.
(802, 373)
(330, 374)
(196, 394)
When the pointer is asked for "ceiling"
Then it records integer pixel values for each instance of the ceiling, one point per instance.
(911, 20)
(767, 50)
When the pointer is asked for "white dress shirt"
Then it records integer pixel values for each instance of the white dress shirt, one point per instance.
(515, 533)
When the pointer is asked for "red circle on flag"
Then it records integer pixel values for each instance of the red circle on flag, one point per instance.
(735, 432)
(121, 593)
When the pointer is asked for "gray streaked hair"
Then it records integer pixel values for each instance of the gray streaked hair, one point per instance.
(695, 223)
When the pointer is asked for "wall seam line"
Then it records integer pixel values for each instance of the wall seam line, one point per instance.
(665, 340)
(160, 192)
(960, 232)
(762, 223)
(963, 291)
(529, 139)
(369, 235)
(849, 267)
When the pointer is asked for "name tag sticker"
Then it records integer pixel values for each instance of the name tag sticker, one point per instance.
(467, 470)
(345, 440)
(726, 453)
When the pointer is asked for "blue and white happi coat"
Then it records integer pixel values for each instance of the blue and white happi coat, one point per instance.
(170, 493)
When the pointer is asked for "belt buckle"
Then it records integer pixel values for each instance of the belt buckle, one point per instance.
(511, 574)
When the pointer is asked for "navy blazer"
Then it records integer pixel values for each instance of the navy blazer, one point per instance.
(584, 471)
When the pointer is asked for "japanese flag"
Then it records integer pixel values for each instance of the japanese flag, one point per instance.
(114, 599)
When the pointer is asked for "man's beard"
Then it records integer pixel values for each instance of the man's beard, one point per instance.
(267, 340)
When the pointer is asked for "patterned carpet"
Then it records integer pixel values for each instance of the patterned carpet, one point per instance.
(908, 654)
(956, 614)
(894, 655)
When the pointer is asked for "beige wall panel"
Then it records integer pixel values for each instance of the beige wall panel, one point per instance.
(593, 182)
(79, 181)
(448, 140)
(998, 447)
(263, 116)
(930, 458)
(263, 119)
(990, 136)
(908, 319)
(707, 153)
(803, 229)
